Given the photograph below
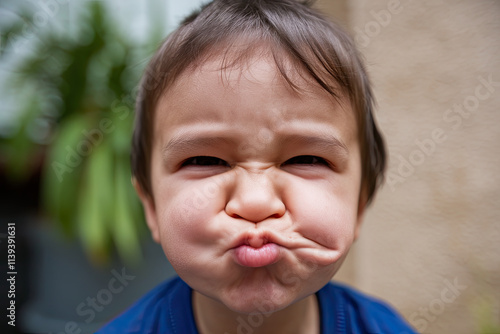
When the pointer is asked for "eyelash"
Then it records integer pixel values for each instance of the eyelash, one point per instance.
(306, 160)
(204, 161)
(213, 161)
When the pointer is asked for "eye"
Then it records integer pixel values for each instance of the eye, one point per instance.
(306, 160)
(204, 161)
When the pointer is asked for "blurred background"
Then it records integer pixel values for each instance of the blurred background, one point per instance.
(430, 243)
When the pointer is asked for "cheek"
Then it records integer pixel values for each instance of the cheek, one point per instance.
(185, 212)
(324, 215)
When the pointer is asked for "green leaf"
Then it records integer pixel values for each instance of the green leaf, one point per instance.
(125, 230)
(95, 203)
(77, 80)
(122, 134)
(62, 172)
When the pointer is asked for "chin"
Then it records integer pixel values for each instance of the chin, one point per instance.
(265, 300)
(256, 305)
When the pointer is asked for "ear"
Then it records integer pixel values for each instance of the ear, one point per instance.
(363, 203)
(149, 210)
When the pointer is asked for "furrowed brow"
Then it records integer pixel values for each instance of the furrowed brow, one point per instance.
(323, 143)
(182, 144)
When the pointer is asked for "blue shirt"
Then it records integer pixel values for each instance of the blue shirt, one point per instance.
(167, 309)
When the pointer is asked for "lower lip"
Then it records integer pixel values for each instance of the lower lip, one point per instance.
(248, 256)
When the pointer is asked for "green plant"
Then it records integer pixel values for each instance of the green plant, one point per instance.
(75, 101)
(486, 313)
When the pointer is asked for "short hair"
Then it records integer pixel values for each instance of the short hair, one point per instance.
(291, 30)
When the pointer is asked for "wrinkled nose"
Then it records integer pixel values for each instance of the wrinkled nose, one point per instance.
(255, 198)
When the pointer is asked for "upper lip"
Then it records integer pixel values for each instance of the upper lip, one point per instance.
(255, 239)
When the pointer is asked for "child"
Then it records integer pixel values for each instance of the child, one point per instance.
(255, 155)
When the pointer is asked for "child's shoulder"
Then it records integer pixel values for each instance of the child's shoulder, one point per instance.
(168, 309)
(165, 309)
(347, 310)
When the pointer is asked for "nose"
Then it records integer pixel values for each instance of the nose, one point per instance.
(255, 198)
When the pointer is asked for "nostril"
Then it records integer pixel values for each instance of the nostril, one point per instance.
(254, 214)
(235, 215)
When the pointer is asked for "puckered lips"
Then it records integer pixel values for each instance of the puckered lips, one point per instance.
(256, 250)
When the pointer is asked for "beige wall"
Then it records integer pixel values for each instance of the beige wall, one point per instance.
(436, 221)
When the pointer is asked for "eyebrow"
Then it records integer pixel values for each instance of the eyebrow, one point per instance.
(324, 143)
(186, 143)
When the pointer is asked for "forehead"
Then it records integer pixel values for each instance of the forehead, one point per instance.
(222, 91)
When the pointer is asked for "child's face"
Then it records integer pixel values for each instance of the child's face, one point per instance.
(256, 187)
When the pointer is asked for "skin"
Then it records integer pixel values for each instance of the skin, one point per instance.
(284, 174)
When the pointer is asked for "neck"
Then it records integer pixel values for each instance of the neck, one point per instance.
(212, 317)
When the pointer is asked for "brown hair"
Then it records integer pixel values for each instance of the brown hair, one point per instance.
(292, 30)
